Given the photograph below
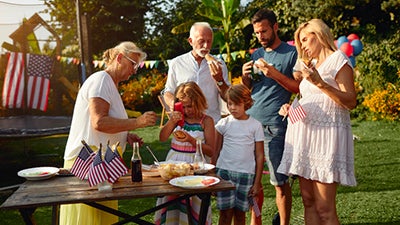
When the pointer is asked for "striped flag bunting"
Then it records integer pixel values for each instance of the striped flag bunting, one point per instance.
(82, 163)
(114, 165)
(296, 112)
(97, 172)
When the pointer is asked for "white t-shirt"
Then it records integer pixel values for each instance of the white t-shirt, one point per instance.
(185, 68)
(238, 149)
(99, 84)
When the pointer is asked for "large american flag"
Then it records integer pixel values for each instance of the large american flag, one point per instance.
(97, 172)
(13, 87)
(82, 163)
(114, 165)
(296, 111)
(38, 89)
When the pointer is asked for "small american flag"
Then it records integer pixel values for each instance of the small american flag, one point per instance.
(82, 163)
(296, 112)
(114, 165)
(97, 172)
(38, 88)
(254, 204)
(13, 87)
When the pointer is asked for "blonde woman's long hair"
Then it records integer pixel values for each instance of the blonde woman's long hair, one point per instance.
(320, 30)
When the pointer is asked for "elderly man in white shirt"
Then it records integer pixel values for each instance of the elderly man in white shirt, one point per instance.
(211, 76)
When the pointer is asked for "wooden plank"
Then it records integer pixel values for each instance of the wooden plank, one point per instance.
(66, 190)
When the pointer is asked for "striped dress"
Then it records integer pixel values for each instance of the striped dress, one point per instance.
(176, 214)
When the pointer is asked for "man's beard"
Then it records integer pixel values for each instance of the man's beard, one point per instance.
(270, 41)
(202, 52)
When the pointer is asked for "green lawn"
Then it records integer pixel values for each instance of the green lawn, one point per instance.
(375, 200)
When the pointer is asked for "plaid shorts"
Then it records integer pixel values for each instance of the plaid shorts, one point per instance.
(237, 198)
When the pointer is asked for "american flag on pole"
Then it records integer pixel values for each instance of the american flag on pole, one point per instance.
(82, 163)
(114, 165)
(13, 87)
(97, 172)
(38, 88)
(296, 112)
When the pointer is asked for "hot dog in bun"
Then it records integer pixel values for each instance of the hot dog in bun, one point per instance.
(209, 58)
(179, 134)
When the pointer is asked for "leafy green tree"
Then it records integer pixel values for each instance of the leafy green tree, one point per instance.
(170, 24)
(110, 22)
(224, 15)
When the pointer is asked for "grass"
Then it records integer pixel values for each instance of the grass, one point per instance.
(375, 200)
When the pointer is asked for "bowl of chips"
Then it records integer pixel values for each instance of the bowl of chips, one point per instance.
(170, 169)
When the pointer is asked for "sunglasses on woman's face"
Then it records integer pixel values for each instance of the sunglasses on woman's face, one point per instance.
(134, 63)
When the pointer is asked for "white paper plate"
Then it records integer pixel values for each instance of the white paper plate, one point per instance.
(194, 182)
(207, 167)
(38, 173)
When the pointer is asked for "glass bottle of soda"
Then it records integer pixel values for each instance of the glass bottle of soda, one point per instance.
(136, 164)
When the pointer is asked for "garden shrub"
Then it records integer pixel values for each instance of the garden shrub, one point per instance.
(376, 68)
(140, 92)
(384, 103)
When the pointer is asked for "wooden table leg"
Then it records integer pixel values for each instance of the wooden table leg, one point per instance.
(55, 213)
(205, 203)
(189, 210)
(27, 215)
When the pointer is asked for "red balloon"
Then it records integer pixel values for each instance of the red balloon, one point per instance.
(252, 50)
(347, 48)
(352, 37)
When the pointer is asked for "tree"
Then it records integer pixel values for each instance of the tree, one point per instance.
(223, 13)
(110, 21)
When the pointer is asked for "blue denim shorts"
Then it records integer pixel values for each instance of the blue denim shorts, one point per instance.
(274, 143)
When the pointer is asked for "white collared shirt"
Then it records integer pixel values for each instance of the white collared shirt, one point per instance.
(185, 68)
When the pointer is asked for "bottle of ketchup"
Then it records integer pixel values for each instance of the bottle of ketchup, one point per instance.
(178, 106)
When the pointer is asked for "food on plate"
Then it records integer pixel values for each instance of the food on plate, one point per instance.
(179, 134)
(196, 181)
(307, 62)
(208, 181)
(190, 182)
(172, 170)
(261, 62)
(64, 172)
(209, 58)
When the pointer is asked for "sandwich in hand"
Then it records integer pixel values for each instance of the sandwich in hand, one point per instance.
(261, 62)
(307, 62)
(179, 134)
(209, 58)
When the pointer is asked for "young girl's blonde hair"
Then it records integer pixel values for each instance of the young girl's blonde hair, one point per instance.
(192, 91)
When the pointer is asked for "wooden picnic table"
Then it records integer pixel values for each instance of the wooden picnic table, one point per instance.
(70, 190)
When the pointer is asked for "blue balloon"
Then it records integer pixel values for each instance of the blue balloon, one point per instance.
(353, 61)
(341, 40)
(357, 47)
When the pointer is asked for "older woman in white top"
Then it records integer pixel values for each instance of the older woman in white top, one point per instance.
(99, 116)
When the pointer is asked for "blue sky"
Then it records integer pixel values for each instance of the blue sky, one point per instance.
(12, 13)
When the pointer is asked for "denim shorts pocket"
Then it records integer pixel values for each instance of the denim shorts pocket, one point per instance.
(274, 131)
